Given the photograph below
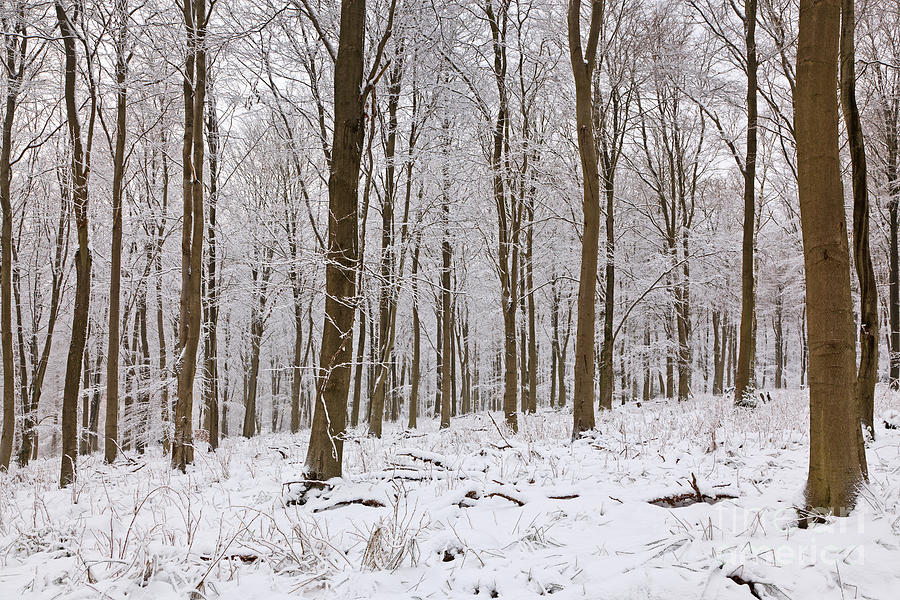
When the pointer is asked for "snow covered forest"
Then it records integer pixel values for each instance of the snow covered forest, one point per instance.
(450, 299)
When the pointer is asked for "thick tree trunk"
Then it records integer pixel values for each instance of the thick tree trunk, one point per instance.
(326, 445)
(837, 461)
(862, 257)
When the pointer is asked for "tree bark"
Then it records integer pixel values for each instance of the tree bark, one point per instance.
(893, 177)
(583, 62)
(111, 433)
(837, 461)
(416, 325)
(189, 322)
(718, 356)
(326, 445)
(80, 167)
(743, 383)
(260, 277)
(862, 257)
(16, 45)
(446, 306)
(211, 340)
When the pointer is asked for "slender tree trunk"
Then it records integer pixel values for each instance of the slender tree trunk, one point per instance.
(15, 44)
(743, 383)
(195, 20)
(80, 167)
(416, 325)
(260, 277)
(532, 333)
(297, 363)
(86, 376)
(606, 353)
(142, 375)
(648, 375)
(778, 327)
(837, 461)
(165, 411)
(360, 358)
(583, 62)
(111, 434)
(446, 307)
(211, 341)
(893, 177)
(718, 366)
(554, 338)
(862, 257)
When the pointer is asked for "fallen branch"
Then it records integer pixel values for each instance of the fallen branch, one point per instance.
(370, 502)
(505, 497)
(244, 558)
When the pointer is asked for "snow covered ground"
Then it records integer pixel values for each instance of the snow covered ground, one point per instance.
(468, 512)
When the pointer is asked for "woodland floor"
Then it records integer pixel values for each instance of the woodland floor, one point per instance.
(468, 513)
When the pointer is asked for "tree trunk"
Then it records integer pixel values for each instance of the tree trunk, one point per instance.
(326, 445)
(111, 434)
(211, 342)
(446, 307)
(142, 375)
(80, 168)
(606, 353)
(837, 461)
(862, 257)
(416, 325)
(718, 366)
(778, 327)
(532, 334)
(195, 20)
(583, 63)
(16, 46)
(260, 277)
(648, 375)
(893, 177)
(743, 383)
(165, 410)
(554, 338)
